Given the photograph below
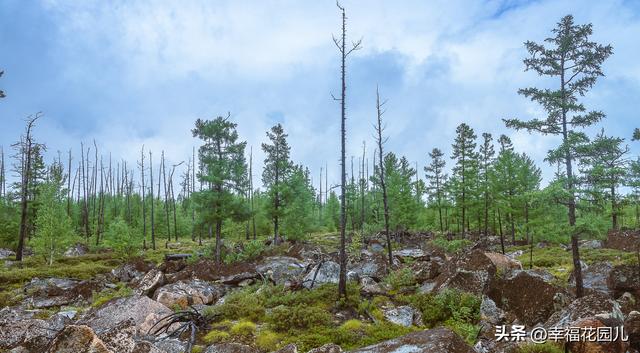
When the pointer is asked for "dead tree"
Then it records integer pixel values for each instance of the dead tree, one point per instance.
(344, 52)
(25, 153)
(173, 201)
(144, 210)
(166, 198)
(253, 215)
(2, 174)
(383, 186)
(153, 230)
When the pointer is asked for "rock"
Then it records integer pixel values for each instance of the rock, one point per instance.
(476, 282)
(585, 307)
(78, 249)
(624, 278)
(416, 254)
(427, 287)
(369, 287)
(230, 348)
(237, 278)
(131, 271)
(403, 316)
(184, 294)
(7, 254)
(594, 277)
(167, 345)
(590, 244)
(376, 247)
(515, 254)
(528, 294)
(371, 265)
(144, 311)
(327, 348)
(632, 328)
(427, 270)
(437, 340)
(290, 348)
(503, 262)
(77, 339)
(49, 286)
(150, 282)
(490, 313)
(120, 337)
(279, 269)
(324, 272)
(627, 302)
(623, 240)
(587, 346)
(69, 314)
(20, 329)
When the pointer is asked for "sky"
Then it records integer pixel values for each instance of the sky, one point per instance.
(133, 73)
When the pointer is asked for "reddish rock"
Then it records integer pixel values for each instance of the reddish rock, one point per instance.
(585, 346)
(437, 340)
(77, 339)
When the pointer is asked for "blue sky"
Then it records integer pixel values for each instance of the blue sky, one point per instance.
(132, 73)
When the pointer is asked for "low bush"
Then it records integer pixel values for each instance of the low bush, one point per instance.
(283, 318)
(243, 329)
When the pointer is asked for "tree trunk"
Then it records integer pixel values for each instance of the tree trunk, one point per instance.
(382, 181)
(153, 229)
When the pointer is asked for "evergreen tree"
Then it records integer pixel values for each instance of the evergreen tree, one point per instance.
(636, 134)
(298, 203)
(54, 230)
(575, 62)
(486, 159)
(437, 178)
(222, 167)
(465, 171)
(277, 167)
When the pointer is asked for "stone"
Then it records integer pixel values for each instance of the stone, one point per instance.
(77, 339)
(324, 272)
(586, 346)
(528, 294)
(476, 282)
(237, 278)
(594, 277)
(590, 244)
(632, 328)
(369, 287)
(416, 254)
(327, 348)
(120, 337)
(627, 302)
(403, 316)
(503, 262)
(437, 340)
(230, 348)
(7, 254)
(370, 265)
(585, 307)
(144, 311)
(184, 294)
(20, 329)
(624, 278)
(279, 269)
(78, 249)
(290, 348)
(150, 282)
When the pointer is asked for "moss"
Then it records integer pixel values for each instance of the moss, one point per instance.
(242, 304)
(216, 336)
(106, 295)
(283, 318)
(401, 278)
(243, 328)
(267, 340)
(197, 349)
(450, 246)
(352, 325)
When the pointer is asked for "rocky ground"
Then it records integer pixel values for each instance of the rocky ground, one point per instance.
(433, 298)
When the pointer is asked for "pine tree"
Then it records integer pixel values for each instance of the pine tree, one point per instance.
(465, 170)
(437, 178)
(223, 165)
(486, 159)
(576, 62)
(277, 168)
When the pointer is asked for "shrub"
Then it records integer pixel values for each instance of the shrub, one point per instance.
(242, 304)
(300, 316)
(243, 328)
(539, 348)
(400, 278)
(216, 336)
(352, 325)
(450, 246)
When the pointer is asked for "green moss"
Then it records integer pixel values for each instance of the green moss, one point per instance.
(450, 246)
(216, 336)
(352, 325)
(267, 340)
(106, 295)
(242, 304)
(243, 328)
(301, 316)
(401, 278)
(540, 348)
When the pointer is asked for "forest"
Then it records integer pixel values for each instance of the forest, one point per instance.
(215, 210)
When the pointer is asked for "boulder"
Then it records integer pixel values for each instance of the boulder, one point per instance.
(120, 338)
(290, 348)
(624, 278)
(184, 294)
(7, 254)
(503, 262)
(585, 307)
(78, 339)
(476, 282)
(528, 294)
(144, 311)
(237, 278)
(590, 244)
(131, 271)
(78, 249)
(490, 317)
(587, 346)
(628, 303)
(372, 265)
(594, 277)
(230, 348)
(150, 282)
(623, 240)
(403, 316)
(20, 329)
(323, 272)
(327, 348)
(437, 340)
(415, 254)
(281, 269)
(632, 328)
(427, 270)
(369, 287)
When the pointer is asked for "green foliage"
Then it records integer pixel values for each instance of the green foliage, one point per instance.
(242, 304)
(120, 238)
(108, 294)
(54, 231)
(243, 328)
(450, 246)
(283, 318)
(250, 250)
(216, 336)
(540, 348)
(352, 325)
(267, 340)
(401, 278)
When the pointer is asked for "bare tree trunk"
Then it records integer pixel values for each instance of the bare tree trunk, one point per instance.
(153, 229)
(253, 215)
(166, 198)
(144, 210)
(385, 203)
(69, 190)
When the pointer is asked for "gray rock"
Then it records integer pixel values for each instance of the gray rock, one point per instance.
(414, 254)
(280, 269)
(438, 340)
(237, 278)
(78, 249)
(184, 293)
(150, 282)
(120, 338)
(590, 244)
(77, 339)
(20, 329)
(594, 277)
(7, 254)
(230, 348)
(127, 273)
(327, 348)
(369, 287)
(585, 307)
(144, 311)
(327, 272)
(402, 315)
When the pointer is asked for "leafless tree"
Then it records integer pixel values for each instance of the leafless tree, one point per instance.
(379, 129)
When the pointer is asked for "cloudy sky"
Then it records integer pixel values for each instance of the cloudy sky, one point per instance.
(130, 73)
